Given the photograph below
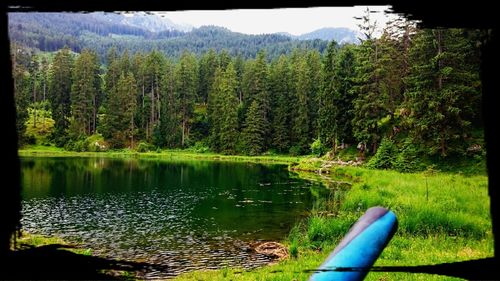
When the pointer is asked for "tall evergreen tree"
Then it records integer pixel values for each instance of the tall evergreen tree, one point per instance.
(327, 111)
(151, 70)
(168, 132)
(85, 93)
(442, 90)
(60, 85)
(207, 67)
(314, 87)
(279, 87)
(344, 96)
(120, 111)
(301, 125)
(187, 85)
(20, 63)
(223, 105)
(257, 122)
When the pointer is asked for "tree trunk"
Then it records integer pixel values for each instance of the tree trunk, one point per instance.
(132, 132)
(152, 113)
(94, 114)
(34, 104)
(440, 62)
(183, 131)
(44, 110)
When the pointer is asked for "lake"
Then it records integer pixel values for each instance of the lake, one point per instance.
(189, 215)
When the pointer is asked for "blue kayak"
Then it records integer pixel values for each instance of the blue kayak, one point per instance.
(360, 248)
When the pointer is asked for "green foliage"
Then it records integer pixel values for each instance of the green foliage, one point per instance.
(121, 105)
(60, 85)
(317, 147)
(443, 91)
(294, 249)
(408, 158)
(385, 156)
(144, 147)
(85, 93)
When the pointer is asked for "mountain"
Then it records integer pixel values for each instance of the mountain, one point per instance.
(340, 34)
(141, 33)
(147, 21)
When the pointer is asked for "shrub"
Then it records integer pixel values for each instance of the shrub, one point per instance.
(200, 147)
(295, 150)
(294, 249)
(29, 139)
(317, 147)
(407, 160)
(385, 156)
(144, 147)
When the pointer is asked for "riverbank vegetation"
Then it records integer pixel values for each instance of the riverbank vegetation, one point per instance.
(443, 217)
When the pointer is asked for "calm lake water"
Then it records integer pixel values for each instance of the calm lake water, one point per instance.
(189, 215)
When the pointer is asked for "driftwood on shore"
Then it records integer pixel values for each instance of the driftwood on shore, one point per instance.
(272, 249)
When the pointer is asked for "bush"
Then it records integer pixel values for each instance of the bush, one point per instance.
(200, 147)
(29, 139)
(407, 160)
(295, 150)
(144, 147)
(317, 147)
(294, 249)
(385, 156)
(96, 143)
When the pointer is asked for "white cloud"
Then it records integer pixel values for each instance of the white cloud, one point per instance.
(293, 20)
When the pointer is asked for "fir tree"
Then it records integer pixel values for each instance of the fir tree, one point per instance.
(60, 84)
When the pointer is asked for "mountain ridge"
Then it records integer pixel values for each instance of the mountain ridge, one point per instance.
(145, 32)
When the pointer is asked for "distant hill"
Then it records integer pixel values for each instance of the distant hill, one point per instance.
(141, 33)
(340, 34)
(150, 22)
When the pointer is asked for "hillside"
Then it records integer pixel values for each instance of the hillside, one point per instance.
(141, 33)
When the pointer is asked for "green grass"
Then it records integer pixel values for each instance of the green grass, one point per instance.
(40, 150)
(35, 240)
(442, 217)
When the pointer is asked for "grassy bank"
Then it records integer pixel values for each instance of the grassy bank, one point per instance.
(47, 151)
(35, 240)
(442, 218)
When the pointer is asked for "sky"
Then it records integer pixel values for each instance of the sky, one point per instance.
(295, 21)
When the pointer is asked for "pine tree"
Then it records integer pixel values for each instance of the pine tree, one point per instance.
(344, 95)
(60, 84)
(257, 123)
(279, 87)
(254, 133)
(187, 85)
(214, 110)
(120, 111)
(168, 132)
(368, 105)
(208, 65)
(229, 114)
(85, 93)
(301, 125)
(442, 90)
(314, 87)
(151, 71)
(327, 111)
(22, 87)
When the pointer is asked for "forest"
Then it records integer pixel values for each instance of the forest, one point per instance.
(407, 93)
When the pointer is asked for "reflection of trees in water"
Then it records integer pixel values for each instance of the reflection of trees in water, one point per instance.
(326, 200)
